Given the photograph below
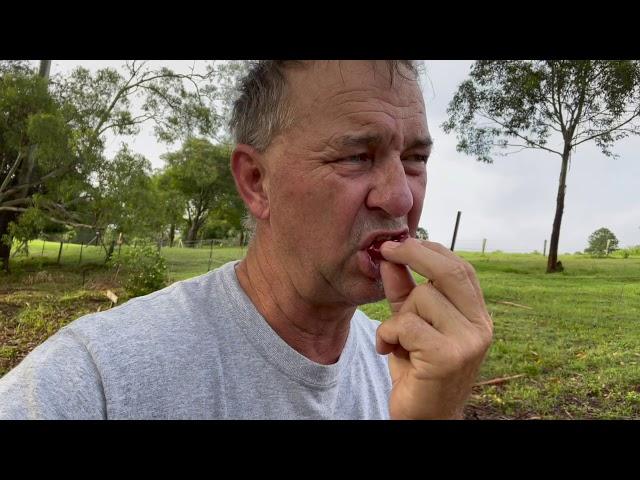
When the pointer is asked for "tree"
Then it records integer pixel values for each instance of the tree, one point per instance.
(172, 204)
(34, 143)
(122, 199)
(200, 171)
(602, 242)
(507, 105)
(53, 135)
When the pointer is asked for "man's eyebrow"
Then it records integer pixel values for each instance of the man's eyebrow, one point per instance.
(375, 139)
(358, 140)
(426, 142)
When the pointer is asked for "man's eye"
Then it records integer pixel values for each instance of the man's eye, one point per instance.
(416, 158)
(359, 158)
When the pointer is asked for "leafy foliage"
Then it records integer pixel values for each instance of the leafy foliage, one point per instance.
(144, 267)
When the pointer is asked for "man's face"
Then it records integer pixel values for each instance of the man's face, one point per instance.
(351, 170)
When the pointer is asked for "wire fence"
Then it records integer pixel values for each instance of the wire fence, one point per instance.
(484, 245)
(183, 260)
(188, 259)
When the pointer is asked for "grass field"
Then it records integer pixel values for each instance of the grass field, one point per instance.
(572, 340)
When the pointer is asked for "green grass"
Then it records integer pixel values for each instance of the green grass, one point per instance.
(578, 345)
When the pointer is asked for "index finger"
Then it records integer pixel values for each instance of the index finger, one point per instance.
(449, 277)
(398, 283)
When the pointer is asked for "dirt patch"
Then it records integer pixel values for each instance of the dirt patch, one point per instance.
(8, 310)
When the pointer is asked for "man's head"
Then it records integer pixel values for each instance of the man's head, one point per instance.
(330, 157)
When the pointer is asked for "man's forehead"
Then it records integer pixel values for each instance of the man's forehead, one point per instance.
(328, 82)
(333, 96)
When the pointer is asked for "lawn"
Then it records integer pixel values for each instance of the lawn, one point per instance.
(571, 340)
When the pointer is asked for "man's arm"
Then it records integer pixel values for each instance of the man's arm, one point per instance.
(57, 380)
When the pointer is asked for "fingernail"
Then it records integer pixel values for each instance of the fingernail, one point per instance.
(390, 244)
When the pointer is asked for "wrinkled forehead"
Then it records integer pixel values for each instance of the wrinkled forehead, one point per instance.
(345, 93)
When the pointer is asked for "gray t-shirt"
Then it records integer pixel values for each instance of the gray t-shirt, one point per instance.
(198, 349)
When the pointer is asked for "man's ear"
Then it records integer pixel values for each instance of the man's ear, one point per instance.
(249, 174)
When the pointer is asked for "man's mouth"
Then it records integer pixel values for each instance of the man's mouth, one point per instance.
(374, 249)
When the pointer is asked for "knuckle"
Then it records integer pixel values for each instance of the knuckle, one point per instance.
(457, 273)
(456, 358)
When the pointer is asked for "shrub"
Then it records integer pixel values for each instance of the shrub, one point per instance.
(144, 268)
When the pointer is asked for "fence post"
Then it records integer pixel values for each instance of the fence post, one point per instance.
(60, 252)
(43, 244)
(80, 260)
(484, 244)
(608, 242)
(210, 254)
(455, 231)
(544, 250)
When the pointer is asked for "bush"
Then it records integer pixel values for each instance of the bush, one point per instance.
(144, 267)
(634, 250)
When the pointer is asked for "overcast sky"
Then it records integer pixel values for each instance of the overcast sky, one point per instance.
(511, 202)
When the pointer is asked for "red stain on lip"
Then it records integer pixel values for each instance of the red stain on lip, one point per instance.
(374, 248)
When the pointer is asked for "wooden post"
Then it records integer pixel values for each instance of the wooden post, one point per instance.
(80, 260)
(484, 244)
(210, 253)
(43, 244)
(544, 249)
(608, 242)
(455, 231)
(60, 252)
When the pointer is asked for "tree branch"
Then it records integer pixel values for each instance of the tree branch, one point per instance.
(12, 170)
(17, 201)
(55, 220)
(48, 176)
(604, 132)
(516, 134)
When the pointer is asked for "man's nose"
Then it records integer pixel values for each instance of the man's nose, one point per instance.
(391, 191)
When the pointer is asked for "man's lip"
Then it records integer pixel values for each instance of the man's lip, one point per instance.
(368, 240)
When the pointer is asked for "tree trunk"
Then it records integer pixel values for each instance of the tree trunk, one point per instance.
(192, 234)
(5, 250)
(552, 262)
(172, 234)
(242, 237)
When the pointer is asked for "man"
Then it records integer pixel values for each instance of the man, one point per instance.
(331, 163)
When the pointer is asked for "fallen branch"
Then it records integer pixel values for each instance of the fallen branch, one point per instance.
(515, 305)
(497, 381)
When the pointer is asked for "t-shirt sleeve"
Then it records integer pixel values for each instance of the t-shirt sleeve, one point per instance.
(57, 380)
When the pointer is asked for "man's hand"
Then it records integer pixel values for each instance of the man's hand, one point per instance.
(438, 334)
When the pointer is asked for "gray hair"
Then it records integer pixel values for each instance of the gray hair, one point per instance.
(261, 110)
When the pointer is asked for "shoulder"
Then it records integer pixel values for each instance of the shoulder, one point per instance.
(183, 308)
(57, 380)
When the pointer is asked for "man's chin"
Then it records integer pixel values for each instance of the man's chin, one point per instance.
(367, 291)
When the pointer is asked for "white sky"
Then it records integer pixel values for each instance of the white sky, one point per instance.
(511, 202)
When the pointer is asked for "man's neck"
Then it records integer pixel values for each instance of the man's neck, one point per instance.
(317, 332)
